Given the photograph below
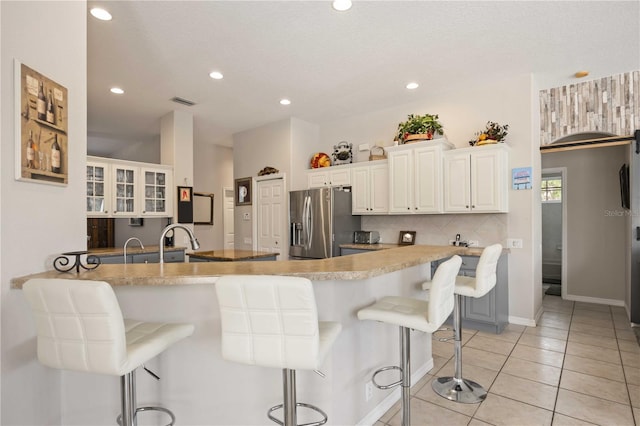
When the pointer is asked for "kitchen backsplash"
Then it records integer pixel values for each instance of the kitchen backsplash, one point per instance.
(439, 229)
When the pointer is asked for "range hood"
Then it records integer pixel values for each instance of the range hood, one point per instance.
(590, 140)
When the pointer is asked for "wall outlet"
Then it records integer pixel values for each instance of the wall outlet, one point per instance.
(368, 391)
(514, 243)
(246, 216)
(474, 243)
(247, 240)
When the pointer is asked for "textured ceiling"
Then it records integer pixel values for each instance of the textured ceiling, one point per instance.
(331, 65)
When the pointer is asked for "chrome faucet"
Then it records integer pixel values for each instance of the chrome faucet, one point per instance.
(194, 242)
(125, 247)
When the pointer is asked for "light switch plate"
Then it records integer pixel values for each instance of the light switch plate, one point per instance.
(514, 243)
(246, 216)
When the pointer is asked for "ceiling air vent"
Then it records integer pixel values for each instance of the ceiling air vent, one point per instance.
(182, 101)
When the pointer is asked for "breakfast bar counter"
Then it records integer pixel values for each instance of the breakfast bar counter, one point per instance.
(200, 387)
(230, 255)
(366, 265)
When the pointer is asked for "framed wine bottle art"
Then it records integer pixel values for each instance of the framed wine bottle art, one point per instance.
(41, 110)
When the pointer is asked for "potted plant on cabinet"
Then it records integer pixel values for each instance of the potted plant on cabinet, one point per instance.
(492, 133)
(419, 127)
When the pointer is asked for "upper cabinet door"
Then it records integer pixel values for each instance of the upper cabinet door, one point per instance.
(428, 180)
(156, 192)
(98, 189)
(489, 180)
(457, 182)
(124, 190)
(379, 191)
(401, 181)
(360, 190)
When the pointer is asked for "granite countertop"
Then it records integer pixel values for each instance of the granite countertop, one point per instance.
(356, 267)
(231, 255)
(132, 249)
(462, 251)
(378, 246)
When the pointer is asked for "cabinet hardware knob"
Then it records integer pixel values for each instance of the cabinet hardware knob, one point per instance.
(467, 206)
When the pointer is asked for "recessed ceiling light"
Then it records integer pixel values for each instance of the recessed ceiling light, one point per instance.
(285, 102)
(581, 74)
(216, 75)
(101, 14)
(341, 5)
(117, 90)
(412, 85)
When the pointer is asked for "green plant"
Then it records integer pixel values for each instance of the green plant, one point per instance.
(419, 124)
(492, 131)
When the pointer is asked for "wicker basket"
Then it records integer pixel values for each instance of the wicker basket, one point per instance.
(377, 153)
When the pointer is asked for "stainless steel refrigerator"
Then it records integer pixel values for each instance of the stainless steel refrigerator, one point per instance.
(319, 221)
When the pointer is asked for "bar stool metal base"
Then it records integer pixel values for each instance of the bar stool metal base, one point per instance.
(128, 400)
(299, 404)
(459, 390)
(290, 405)
(150, 408)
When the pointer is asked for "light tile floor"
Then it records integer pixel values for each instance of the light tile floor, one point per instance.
(579, 366)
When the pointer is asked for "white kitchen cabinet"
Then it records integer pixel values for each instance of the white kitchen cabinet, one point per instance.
(329, 176)
(124, 185)
(157, 192)
(117, 188)
(476, 180)
(98, 189)
(370, 188)
(415, 177)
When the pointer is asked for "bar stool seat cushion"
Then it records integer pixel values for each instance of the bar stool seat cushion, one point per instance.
(80, 327)
(146, 340)
(419, 314)
(400, 311)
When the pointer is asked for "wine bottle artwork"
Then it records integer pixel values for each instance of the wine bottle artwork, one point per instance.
(31, 155)
(42, 145)
(42, 103)
(56, 156)
(50, 114)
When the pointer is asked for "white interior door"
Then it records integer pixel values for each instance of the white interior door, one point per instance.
(271, 213)
(227, 218)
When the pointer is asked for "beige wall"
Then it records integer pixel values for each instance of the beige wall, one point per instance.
(38, 221)
(596, 224)
(213, 171)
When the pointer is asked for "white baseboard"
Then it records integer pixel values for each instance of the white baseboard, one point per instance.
(598, 300)
(522, 321)
(384, 405)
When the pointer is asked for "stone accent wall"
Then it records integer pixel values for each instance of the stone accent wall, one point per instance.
(610, 104)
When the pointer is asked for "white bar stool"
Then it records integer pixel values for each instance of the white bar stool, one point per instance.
(80, 327)
(457, 388)
(272, 321)
(421, 315)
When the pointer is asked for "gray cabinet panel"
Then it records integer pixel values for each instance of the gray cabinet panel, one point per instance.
(490, 312)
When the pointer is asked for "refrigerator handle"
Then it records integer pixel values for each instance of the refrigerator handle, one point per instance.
(307, 220)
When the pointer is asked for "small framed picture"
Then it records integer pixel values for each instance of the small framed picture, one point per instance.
(407, 238)
(243, 191)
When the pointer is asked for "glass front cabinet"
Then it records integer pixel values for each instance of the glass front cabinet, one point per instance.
(157, 192)
(124, 189)
(118, 188)
(98, 189)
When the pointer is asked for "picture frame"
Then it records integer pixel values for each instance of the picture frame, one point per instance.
(42, 125)
(407, 238)
(202, 208)
(243, 191)
(185, 204)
